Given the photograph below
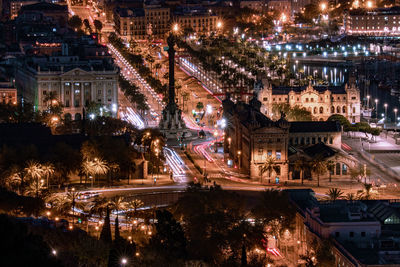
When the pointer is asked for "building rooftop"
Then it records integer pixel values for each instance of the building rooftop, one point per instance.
(284, 90)
(192, 11)
(395, 10)
(130, 12)
(314, 126)
(319, 150)
(44, 6)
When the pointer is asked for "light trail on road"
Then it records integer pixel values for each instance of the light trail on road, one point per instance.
(136, 77)
(132, 117)
(176, 164)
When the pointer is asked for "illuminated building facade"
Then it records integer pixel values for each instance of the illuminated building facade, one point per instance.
(8, 93)
(200, 20)
(321, 101)
(280, 6)
(251, 137)
(141, 23)
(375, 22)
(254, 5)
(76, 82)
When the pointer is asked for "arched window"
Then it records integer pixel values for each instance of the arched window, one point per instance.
(332, 109)
(337, 168)
(337, 109)
(344, 109)
(321, 110)
(302, 141)
(315, 110)
(344, 169)
(78, 116)
(67, 116)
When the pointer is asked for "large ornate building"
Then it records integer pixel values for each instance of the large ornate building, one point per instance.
(251, 138)
(75, 81)
(139, 23)
(321, 101)
(375, 22)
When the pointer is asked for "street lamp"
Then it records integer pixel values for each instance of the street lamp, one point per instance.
(240, 159)
(175, 28)
(395, 119)
(369, 4)
(124, 261)
(323, 7)
(283, 18)
(368, 97)
(376, 105)
(385, 105)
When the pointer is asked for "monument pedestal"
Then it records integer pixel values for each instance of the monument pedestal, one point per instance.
(171, 123)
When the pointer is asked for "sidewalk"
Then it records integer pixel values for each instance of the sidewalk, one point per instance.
(384, 154)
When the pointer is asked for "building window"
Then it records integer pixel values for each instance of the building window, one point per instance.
(351, 234)
(278, 155)
(337, 168)
(354, 110)
(344, 169)
(260, 151)
(265, 99)
(306, 99)
(315, 109)
(321, 110)
(307, 140)
(269, 153)
(362, 234)
(330, 140)
(277, 170)
(67, 103)
(337, 109)
(344, 109)
(313, 140)
(337, 234)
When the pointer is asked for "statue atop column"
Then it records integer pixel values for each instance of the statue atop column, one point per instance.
(171, 123)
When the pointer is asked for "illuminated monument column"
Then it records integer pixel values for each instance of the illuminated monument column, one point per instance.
(171, 123)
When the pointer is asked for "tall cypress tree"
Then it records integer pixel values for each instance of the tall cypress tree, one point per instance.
(117, 235)
(105, 234)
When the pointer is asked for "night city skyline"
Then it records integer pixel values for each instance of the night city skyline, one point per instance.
(200, 133)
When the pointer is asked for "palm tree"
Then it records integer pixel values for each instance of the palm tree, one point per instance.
(99, 206)
(64, 203)
(350, 197)
(34, 171)
(48, 170)
(330, 165)
(134, 205)
(50, 98)
(12, 178)
(318, 166)
(157, 66)
(268, 166)
(367, 191)
(35, 188)
(98, 166)
(334, 194)
(301, 165)
(117, 203)
(98, 27)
